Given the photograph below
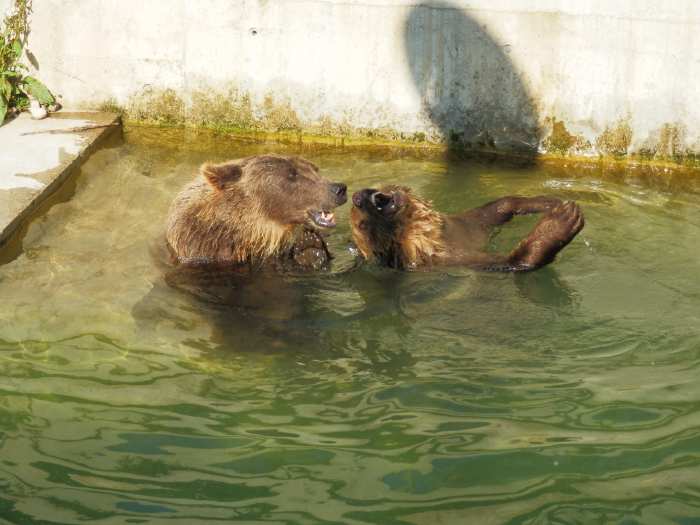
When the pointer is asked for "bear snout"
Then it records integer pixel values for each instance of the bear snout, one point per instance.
(360, 197)
(340, 191)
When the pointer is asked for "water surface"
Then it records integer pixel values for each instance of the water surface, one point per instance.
(361, 395)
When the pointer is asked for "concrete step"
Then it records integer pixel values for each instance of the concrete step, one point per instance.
(38, 156)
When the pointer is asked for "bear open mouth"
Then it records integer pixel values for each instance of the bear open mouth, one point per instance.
(324, 219)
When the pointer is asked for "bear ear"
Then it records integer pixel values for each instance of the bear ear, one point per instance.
(219, 175)
(400, 198)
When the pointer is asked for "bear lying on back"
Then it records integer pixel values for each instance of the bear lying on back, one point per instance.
(398, 229)
(256, 211)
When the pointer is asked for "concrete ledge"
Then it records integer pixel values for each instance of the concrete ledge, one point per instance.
(38, 156)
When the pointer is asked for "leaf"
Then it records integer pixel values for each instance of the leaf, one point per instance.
(3, 108)
(5, 88)
(17, 49)
(39, 91)
(19, 101)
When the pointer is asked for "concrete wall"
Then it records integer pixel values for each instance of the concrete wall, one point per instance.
(564, 76)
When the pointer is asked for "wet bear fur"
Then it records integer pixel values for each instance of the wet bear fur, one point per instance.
(394, 227)
(265, 210)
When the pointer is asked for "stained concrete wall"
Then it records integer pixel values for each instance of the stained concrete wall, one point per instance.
(570, 77)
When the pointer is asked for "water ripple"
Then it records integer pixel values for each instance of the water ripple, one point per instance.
(361, 396)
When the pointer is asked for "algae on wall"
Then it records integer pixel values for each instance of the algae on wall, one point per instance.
(561, 142)
(234, 110)
(615, 139)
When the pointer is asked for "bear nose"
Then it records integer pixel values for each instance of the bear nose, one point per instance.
(359, 197)
(339, 189)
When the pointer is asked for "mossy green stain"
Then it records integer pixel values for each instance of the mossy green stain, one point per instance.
(560, 141)
(230, 108)
(615, 139)
(232, 111)
(671, 139)
(157, 107)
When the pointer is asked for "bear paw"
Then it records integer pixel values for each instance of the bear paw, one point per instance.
(552, 233)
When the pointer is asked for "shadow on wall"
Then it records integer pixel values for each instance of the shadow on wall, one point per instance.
(468, 85)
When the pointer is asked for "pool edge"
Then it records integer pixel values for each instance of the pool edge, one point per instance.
(27, 202)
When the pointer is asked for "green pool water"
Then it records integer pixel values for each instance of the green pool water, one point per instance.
(567, 395)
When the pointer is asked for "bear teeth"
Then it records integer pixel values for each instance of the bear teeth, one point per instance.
(328, 218)
(324, 219)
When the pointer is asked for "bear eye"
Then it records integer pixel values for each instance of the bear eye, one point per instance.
(292, 175)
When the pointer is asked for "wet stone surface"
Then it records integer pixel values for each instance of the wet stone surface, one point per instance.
(37, 156)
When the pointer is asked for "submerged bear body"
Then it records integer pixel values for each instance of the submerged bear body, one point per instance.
(261, 211)
(398, 229)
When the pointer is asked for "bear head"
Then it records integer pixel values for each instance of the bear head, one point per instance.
(250, 209)
(395, 227)
(286, 190)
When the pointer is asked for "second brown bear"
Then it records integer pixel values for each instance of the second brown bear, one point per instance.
(396, 228)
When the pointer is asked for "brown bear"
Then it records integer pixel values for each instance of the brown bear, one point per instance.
(264, 210)
(398, 229)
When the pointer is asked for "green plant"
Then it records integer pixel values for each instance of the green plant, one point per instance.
(15, 85)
